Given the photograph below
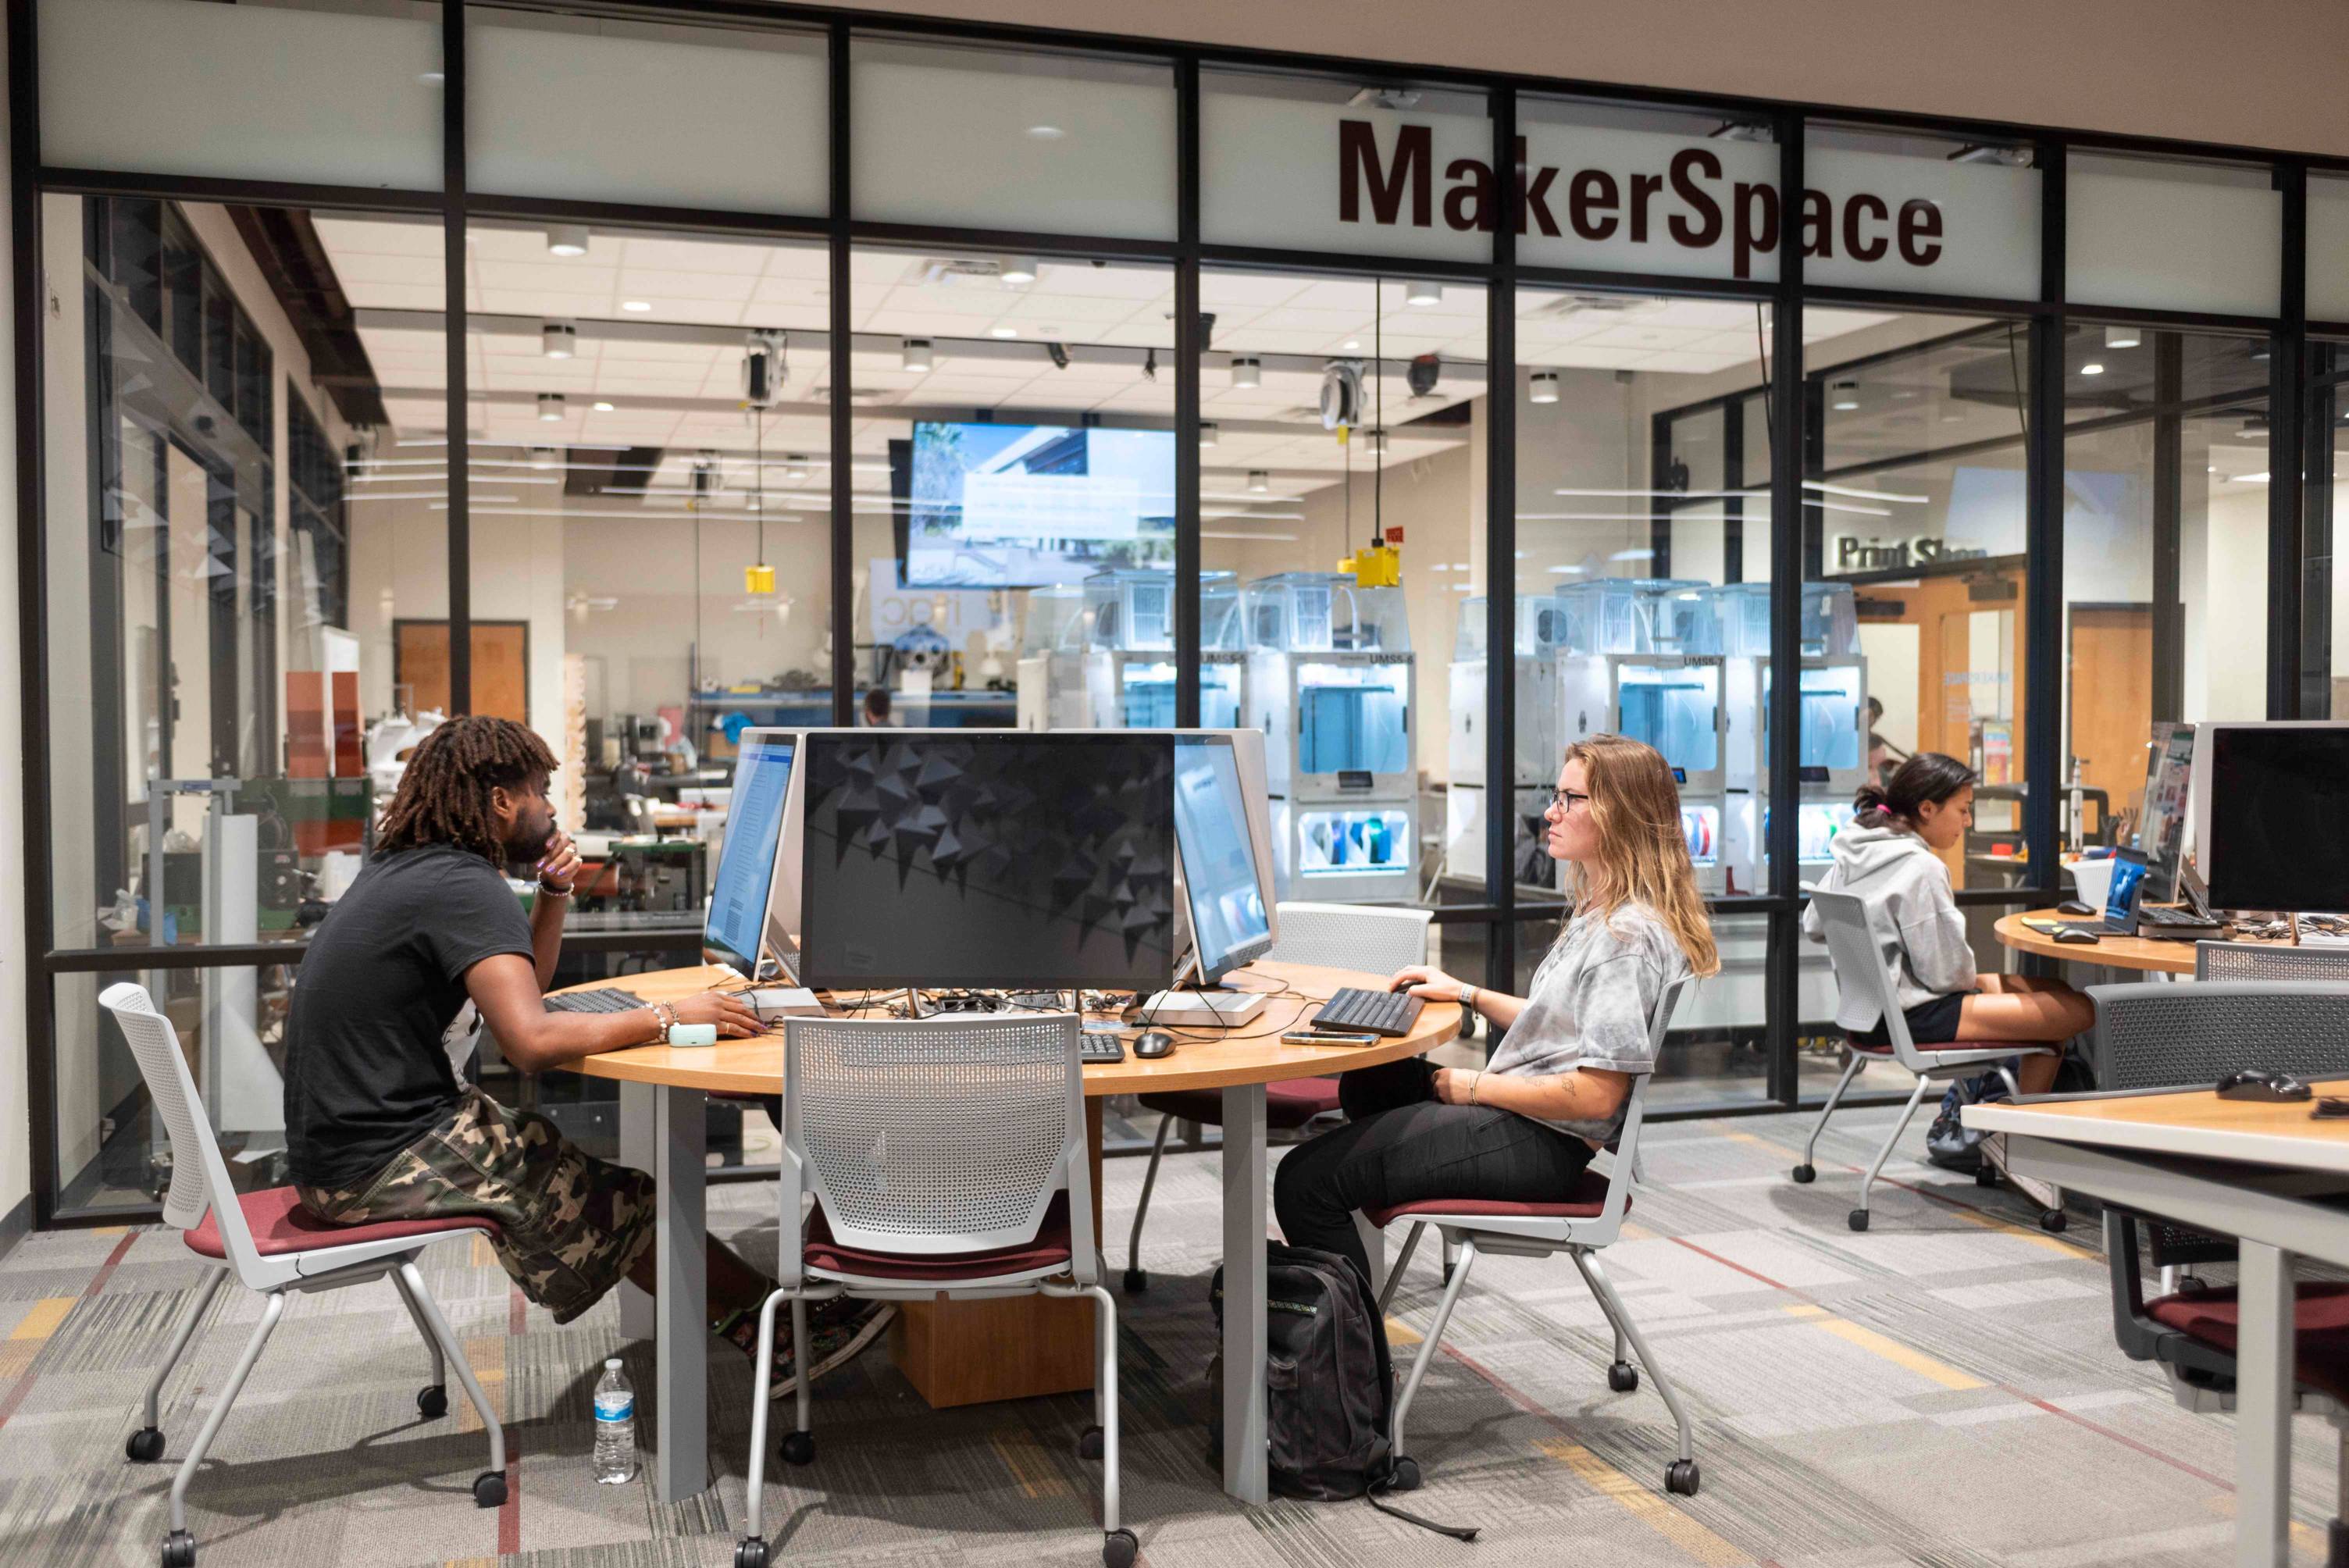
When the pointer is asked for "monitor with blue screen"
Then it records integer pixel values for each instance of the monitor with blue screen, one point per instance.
(1229, 923)
(736, 923)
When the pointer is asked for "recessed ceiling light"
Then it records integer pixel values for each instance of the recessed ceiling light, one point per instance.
(1422, 292)
(1208, 433)
(1260, 482)
(1544, 387)
(558, 339)
(602, 407)
(1351, 344)
(1046, 132)
(567, 239)
(2123, 336)
(1017, 270)
(1002, 332)
(636, 304)
(1248, 372)
(2091, 368)
(915, 356)
(433, 79)
(1847, 397)
(550, 406)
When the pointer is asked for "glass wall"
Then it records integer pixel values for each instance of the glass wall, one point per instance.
(249, 491)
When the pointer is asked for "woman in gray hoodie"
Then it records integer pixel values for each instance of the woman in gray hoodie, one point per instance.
(1891, 857)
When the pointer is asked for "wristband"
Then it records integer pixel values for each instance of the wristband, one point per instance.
(664, 1019)
(1473, 1084)
(551, 891)
(1468, 997)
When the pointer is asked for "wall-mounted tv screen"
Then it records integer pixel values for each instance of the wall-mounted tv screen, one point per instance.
(1021, 506)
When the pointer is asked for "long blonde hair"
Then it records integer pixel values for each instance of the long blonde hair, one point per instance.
(1635, 808)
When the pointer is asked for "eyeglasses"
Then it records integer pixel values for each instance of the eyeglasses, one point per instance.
(1564, 801)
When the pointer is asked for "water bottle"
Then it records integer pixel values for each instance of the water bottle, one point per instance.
(615, 1427)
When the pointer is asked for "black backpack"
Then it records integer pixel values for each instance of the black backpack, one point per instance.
(1329, 1381)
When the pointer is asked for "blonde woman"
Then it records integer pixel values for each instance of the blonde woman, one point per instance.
(1524, 1127)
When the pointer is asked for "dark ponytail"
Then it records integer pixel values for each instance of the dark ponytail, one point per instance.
(1926, 777)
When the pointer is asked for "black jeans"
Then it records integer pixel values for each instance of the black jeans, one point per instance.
(1400, 1145)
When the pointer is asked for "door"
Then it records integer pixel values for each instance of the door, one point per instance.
(419, 661)
(2110, 668)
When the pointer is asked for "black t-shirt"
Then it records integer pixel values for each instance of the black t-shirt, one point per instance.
(383, 978)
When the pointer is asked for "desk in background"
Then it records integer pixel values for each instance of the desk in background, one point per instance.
(969, 1351)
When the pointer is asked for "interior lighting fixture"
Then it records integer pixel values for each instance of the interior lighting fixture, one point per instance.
(1207, 433)
(2256, 424)
(1002, 332)
(1544, 387)
(796, 469)
(1350, 345)
(1260, 482)
(601, 407)
(2091, 368)
(1423, 294)
(558, 339)
(566, 239)
(542, 457)
(1846, 397)
(2123, 336)
(915, 357)
(637, 305)
(1378, 443)
(1248, 372)
(549, 407)
(1046, 132)
(1017, 271)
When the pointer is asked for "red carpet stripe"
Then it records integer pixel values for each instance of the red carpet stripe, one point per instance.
(517, 1313)
(2123, 1438)
(510, 1511)
(14, 1398)
(97, 1280)
(1724, 1262)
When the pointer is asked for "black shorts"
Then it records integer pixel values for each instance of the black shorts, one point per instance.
(1933, 1022)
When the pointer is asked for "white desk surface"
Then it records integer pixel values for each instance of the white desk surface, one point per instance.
(2195, 1123)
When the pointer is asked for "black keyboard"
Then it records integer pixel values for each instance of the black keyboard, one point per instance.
(607, 1000)
(2162, 915)
(1369, 1012)
(1103, 1047)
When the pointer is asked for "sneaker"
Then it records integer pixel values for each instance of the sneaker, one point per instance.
(839, 1329)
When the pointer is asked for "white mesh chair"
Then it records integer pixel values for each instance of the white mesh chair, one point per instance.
(269, 1245)
(1578, 1223)
(2270, 961)
(947, 1158)
(1337, 937)
(1859, 967)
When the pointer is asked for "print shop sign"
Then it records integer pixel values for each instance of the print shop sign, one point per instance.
(1633, 201)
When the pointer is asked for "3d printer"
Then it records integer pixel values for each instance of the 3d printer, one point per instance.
(1129, 664)
(1540, 635)
(1831, 745)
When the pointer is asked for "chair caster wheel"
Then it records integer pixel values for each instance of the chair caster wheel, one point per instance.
(2052, 1220)
(1136, 1282)
(2336, 1554)
(1623, 1377)
(1987, 1176)
(798, 1448)
(2188, 1282)
(490, 1489)
(750, 1552)
(432, 1403)
(146, 1445)
(1118, 1549)
(1681, 1476)
(1089, 1443)
(1804, 1175)
(178, 1550)
(1406, 1474)
(1857, 1220)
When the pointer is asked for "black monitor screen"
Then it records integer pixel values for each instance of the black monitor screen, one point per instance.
(2278, 796)
(995, 859)
(2161, 825)
(1229, 922)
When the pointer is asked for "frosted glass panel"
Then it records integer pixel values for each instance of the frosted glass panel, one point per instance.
(2328, 249)
(245, 92)
(2172, 236)
(997, 140)
(668, 117)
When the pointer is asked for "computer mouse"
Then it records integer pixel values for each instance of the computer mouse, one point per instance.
(2266, 1086)
(2073, 906)
(2077, 938)
(1152, 1044)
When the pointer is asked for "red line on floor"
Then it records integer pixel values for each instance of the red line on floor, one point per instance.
(2123, 1438)
(98, 1279)
(517, 1314)
(15, 1397)
(1724, 1262)
(509, 1510)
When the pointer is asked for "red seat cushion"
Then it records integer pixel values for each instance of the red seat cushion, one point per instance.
(280, 1225)
(2010, 1048)
(1287, 1105)
(1050, 1249)
(2321, 1317)
(1588, 1197)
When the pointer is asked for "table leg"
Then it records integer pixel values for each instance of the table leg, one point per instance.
(681, 1364)
(2264, 1382)
(1244, 1279)
(636, 1152)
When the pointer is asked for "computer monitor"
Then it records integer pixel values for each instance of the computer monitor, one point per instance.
(994, 858)
(1230, 917)
(2268, 800)
(735, 929)
(2161, 823)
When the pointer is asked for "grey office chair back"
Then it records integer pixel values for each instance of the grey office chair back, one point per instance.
(2158, 1036)
(199, 1177)
(1859, 963)
(1371, 937)
(936, 1136)
(2270, 961)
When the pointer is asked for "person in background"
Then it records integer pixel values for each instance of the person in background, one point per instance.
(877, 707)
(1554, 1093)
(1883, 757)
(1890, 857)
(426, 946)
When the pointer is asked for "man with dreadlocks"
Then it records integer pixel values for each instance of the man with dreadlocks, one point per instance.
(427, 944)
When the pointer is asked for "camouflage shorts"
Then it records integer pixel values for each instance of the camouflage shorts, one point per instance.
(571, 1224)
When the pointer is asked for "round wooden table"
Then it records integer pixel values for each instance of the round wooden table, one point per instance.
(964, 1352)
(2138, 952)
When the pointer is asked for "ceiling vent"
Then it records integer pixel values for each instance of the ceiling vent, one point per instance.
(950, 270)
(1574, 304)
